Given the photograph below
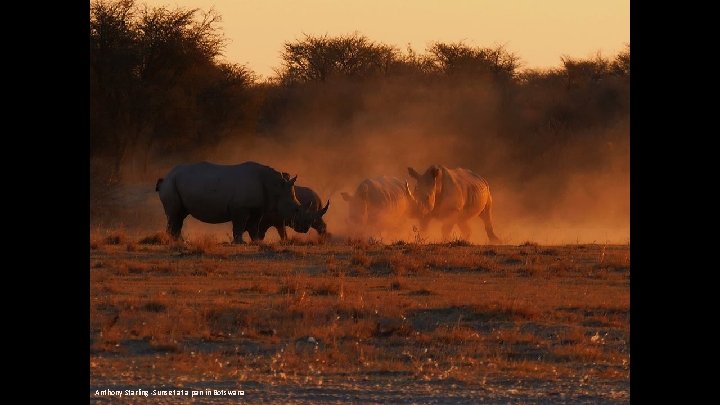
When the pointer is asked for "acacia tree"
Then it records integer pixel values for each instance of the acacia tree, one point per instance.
(113, 83)
(580, 72)
(621, 64)
(156, 81)
(178, 50)
(455, 59)
(318, 58)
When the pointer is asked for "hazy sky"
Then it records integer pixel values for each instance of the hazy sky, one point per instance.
(539, 31)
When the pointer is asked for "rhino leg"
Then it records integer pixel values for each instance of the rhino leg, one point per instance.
(465, 229)
(239, 223)
(424, 222)
(281, 231)
(175, 213)
(446, 229)
(254, 226)
(262, 230)
(174, 225)
(486, 216)
(175, 218)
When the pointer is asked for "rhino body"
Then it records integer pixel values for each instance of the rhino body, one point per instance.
(311, 211)
(216, 194)
(380, 203)
(453, 197)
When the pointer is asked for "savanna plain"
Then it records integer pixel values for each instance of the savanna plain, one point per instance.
(358, 320)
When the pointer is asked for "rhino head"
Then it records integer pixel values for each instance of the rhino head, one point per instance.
(310, 217)
(357, 209)
(318, 223)
(283, 191)
(426, 189)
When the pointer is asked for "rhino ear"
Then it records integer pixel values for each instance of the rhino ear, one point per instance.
(435, 171)
(292, 181)
(324, 210)
(345, 196)
(413, 173)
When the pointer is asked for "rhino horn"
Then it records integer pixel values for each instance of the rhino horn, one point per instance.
(407, 190)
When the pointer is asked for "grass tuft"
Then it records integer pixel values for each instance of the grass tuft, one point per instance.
(116, 238)
(159, 238)
(361, 259)
(459, 242)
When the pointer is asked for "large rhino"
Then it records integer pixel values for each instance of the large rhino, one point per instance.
(215, 194)
(452, 196)
(311, 215)
(380, 202)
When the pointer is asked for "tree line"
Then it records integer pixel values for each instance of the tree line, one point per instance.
(159, 87)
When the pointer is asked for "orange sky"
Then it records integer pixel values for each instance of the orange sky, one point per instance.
(539, 31)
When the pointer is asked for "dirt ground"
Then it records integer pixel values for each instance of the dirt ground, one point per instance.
(357, 321)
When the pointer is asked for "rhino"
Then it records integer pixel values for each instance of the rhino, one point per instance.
(452, 196)
(215, 194)
(311, 215)
(379, 202)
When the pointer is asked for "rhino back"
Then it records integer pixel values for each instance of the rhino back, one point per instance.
(308, 198)
(212, 192)
(387, 194)
(462, 190)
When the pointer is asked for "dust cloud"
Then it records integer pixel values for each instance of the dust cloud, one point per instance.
(549, 185)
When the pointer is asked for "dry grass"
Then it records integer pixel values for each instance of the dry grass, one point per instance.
(326, 288)
(614, 261)
(266, 247)
(361, 259)
(199, 245)
(433, 312)
(158, 238)
(117, 237)
(459, 242)
(204, 243)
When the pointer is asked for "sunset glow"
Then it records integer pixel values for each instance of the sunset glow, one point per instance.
(540, 32)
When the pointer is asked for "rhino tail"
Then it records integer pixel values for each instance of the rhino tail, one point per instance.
(157, 185)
